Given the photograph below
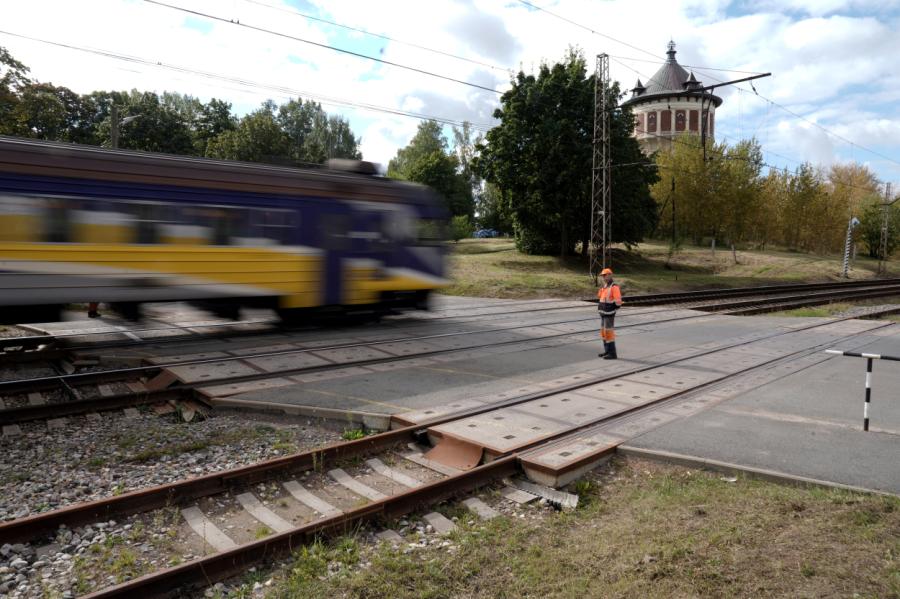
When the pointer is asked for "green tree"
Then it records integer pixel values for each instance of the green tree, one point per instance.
(160, 126)
(313, 135)
(427, 160)
(870, 228)
(429, 139)
(540, 157)
(214, 118)
(45, 111)
(13, 76)
(461, 227)
(492, 209)
(802, 209)
(258, 137)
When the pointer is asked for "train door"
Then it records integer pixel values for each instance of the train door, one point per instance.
(333, 228)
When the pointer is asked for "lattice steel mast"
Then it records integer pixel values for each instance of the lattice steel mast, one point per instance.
(601, 180)
(885, 214)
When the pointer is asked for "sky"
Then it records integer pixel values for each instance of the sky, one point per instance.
(833, 97)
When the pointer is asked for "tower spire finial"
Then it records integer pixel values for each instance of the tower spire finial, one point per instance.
(671, 50)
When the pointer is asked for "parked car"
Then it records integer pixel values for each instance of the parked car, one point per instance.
(485, 233)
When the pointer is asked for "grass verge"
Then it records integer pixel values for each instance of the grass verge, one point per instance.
(643, 530)
(494, 268)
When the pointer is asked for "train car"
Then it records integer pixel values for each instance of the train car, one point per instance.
(82, 224)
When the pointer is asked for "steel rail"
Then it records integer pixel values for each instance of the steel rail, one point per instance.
(129, 503)
(19, 414)
(808, 298)
(80, 378)
(207, 570)
(642, 300)
(191, 391)
(665, 402)
(658, 298)
(26, 413)
(762, 308)
(49, 338)
(204, 571)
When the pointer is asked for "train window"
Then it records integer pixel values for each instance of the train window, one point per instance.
(58, 224)
(398, 226)
(334, 232)
(275, 225)
(147, 221)
(224, 225)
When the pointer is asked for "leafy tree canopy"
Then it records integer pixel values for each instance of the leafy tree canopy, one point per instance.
(293, 133)
(540, 159)
(427, 160)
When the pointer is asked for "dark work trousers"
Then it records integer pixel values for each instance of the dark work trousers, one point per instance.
(607, 328)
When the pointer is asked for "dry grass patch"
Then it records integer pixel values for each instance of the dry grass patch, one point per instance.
(494, 268)
(645, 530)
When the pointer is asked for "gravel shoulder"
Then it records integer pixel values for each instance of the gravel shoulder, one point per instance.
(84, 460)
(42, 470)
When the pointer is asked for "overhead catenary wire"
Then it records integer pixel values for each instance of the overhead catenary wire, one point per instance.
(687, 66)
(585, 27)
(320, 45)
(249, 83)
(379, 36)
(765, 164)
(701, 70)
(788, 158)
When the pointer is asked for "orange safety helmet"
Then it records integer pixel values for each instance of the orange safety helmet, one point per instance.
(606, 271)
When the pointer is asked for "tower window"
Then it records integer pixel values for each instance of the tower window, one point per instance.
(666, 124)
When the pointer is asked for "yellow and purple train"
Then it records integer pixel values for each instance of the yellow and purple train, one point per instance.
(81, 224)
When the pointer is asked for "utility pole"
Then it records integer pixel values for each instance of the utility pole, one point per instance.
(674, 237)
(114, 126)
(601, 180)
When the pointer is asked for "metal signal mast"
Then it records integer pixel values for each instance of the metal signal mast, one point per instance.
(885, 213)
(601, 180)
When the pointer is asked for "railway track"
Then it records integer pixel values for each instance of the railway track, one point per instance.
(393, 496)
(183, 387)
(689, 296)
(182, 379)
(53, 346)
(237, 329)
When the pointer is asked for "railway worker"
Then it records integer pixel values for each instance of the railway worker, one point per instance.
(610, 297)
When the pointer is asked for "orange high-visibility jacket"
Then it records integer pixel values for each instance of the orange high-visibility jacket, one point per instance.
(610, 297)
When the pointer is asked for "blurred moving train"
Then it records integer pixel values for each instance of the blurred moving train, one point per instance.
(80, 224)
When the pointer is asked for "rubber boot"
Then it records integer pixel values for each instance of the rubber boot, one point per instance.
(605, 350)
(610, 351)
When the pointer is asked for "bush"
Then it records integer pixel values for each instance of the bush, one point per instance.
(461, 227)
(535, 244)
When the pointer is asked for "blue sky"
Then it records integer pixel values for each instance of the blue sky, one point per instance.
(833, 62)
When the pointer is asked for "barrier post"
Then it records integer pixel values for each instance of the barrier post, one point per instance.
(868, 394)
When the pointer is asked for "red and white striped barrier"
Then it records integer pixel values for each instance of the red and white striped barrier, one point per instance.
(869, 358)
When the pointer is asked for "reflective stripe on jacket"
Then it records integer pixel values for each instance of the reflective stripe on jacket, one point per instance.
(610, 297)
